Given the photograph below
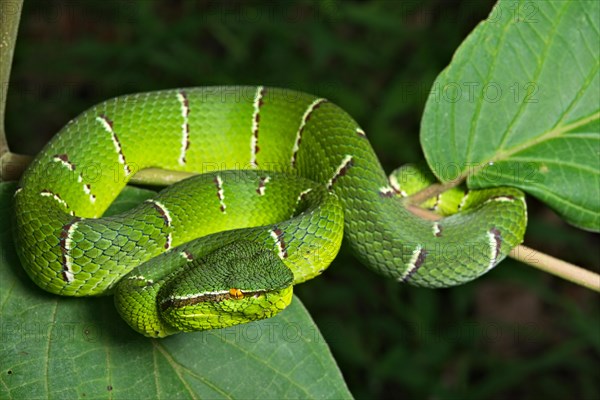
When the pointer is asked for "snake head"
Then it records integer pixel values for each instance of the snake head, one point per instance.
(240, 282)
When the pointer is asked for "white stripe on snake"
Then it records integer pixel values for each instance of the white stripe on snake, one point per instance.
(66, 241)
(47, 193)
(437, 229)
(108, 126)
(262, 184)
(341, 170)
(312, 107)
(220, 193)
(495, 238)
(258, 101)
(185, 126)
(417, 259)
(63, 159)
(166, 216)
(277, 235)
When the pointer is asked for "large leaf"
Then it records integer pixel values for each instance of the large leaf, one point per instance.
(58, 347)
(519, 105)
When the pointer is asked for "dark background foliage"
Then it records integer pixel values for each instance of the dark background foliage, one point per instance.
(516, 332)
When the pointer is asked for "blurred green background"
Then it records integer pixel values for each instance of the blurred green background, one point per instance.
(515, 333)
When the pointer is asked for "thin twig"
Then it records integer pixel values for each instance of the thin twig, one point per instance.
(554, 266)
(159, 177)
(13, 165)
(432, 191)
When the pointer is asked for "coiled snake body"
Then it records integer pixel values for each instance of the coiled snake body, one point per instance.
(285, 175)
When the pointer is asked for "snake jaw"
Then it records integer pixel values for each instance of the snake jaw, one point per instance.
(224, 309)
(251, 283)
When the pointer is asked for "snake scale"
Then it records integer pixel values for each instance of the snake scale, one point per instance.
(283, 176)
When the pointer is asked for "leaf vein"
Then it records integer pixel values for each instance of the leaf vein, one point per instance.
(48, 343)
(178, 367)
(536, 75)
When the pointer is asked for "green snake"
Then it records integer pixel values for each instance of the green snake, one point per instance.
(283, 176)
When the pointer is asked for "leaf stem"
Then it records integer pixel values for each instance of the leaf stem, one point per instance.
(432, 191)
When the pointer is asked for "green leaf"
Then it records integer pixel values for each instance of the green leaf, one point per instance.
(519, 105)
(59, 347)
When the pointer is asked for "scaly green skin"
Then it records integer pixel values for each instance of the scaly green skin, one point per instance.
(311, 233)
(82, 169)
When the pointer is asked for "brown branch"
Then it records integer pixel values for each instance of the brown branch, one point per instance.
(13, 165)
(554, 266)
(432, 191)
(159, 177)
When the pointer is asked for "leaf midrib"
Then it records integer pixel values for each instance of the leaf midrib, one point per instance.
(538, 70)
(552, 134)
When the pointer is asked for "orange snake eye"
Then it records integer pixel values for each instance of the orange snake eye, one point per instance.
(236, 293)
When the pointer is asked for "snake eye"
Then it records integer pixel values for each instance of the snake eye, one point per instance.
(236, 293)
